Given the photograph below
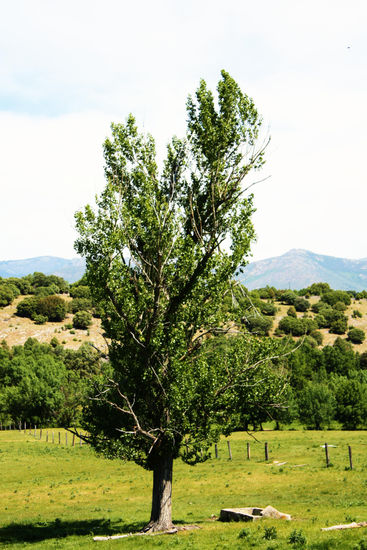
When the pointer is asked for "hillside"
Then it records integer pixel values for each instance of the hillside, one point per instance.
(70, 270)
(16, 330)
(300, 268)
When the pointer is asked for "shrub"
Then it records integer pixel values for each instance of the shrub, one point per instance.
(28, 307)
(317, 289)
(321, 321)
(297, 327)
(53, 307)
(356, 313)
(317, 336)
(23, 285)
(267, 308)
(289, 297)
(82, 320)
(258, 324)
(356, 335)
(40, 319)
(6, 295)
(363, 361)
(244, 533)
(270, 533)
(301, 304)
(80, 291)
(339, 326)
(335, 296)
(340, 306)
(318, 306)
(297, 538)
(43, 291)
(80, 304)
(291, 311)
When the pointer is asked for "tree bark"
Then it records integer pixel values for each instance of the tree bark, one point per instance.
(161, 514)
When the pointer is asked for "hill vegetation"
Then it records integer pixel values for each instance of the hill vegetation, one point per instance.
(50, 341)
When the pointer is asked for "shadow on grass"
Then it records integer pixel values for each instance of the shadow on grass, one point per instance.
(38, 531)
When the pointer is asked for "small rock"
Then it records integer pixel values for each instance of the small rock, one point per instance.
(251, 514)
(270, 512)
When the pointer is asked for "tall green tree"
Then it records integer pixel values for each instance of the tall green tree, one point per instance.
(161, 250)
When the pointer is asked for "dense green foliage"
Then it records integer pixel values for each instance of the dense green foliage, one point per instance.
(45, 384)
(38, 284)
(50, 308)
(82, 319)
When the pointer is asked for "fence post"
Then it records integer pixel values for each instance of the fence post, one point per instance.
(73, 440)
(266, 451)
(350, 457)
(40, 434)
(66, 438)
(248, 451)
(327, 455)
(59, 438)
(47, 436)
(216, 450)
(229, 450)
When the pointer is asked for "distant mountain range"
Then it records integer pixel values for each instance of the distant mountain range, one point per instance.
(70, 270)
(296, 269)
(299, 268)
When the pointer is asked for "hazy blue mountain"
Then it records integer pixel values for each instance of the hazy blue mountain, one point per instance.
(295, 269)
(70, 270)
(299, 268)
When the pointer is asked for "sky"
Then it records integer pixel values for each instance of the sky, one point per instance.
(68, 69)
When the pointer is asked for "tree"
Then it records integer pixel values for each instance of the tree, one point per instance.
(316, 405)
(351, 398)
(161, 251)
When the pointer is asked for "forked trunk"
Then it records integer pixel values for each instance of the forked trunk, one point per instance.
(161, 515)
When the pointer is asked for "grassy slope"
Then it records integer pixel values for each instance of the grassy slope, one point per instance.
(57, 497)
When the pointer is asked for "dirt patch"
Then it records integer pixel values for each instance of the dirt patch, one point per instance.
(16, 330)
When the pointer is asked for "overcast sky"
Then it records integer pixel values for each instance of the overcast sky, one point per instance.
(68, 69)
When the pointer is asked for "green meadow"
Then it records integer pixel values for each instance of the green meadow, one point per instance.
(53, 496)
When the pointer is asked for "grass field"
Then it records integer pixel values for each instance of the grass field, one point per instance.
(54, 496)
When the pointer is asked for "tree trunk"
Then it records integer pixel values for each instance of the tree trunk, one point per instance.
(161, 515)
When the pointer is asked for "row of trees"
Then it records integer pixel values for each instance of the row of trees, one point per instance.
(45, 384)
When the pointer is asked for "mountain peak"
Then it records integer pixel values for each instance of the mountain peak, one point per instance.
(299, 268)
(70, 270)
